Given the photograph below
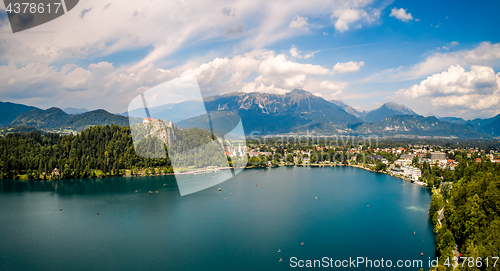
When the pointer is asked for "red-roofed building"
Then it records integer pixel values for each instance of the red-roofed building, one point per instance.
(148, 120)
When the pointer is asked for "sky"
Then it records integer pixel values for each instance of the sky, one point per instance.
(439, 58)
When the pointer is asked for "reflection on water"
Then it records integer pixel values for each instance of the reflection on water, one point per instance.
(83, 186)
(240, 227)
(418, 208)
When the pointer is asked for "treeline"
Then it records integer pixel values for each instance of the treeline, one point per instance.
(104, 151)
(466, 213)
(99, 150)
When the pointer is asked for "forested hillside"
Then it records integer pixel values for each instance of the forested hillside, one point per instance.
(10, 111)
(471, 217)
(105, 148)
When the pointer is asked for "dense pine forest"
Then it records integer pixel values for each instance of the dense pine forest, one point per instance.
(104, 151)
(99, 150)
(466, 214)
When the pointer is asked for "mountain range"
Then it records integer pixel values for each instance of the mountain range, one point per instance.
(297, 111)
(9, 111)
(56, 119)
(294, 111)
(387, 110)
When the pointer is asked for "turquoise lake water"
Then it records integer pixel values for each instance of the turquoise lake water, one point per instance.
(273, 209)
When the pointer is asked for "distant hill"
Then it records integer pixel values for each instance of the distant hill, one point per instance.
(97, 117)
(297, 111)
(349, 109)
(39, 118)
(453, 120)
(74, 111)
(491, 126)
(55, 118)
(10, 111)
(387, 110)
(417, 126)
(140, 113)
(178, 112)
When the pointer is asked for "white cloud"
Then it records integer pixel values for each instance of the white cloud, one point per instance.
(160, 29)
(349, 16)
(345, 17)
(486, 54)
(326, 89)
(101, 85)
(477, 89)
(274, 73)
(299, 23)
(166, 26)
(310, 55)
(401, 14)
(354, 12)
(294, 52)
(98, 86)
(350, 66)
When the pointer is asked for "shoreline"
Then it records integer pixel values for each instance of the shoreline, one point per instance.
(343, 165)
(215, 170)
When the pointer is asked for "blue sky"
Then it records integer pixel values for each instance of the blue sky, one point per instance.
(436, 57)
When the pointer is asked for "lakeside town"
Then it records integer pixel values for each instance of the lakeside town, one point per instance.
(404, 162)
(420, 164)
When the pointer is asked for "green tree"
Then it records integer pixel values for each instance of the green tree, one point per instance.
(415, 161)
(380, 166)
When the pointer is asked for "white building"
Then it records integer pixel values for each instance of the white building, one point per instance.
(403, 162)
(416, 173)
(241, 151)
(407, 170)
(412, 172)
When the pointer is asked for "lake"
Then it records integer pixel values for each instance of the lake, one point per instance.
(269, 209)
